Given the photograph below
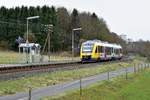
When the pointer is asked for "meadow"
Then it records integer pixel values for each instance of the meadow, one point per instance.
(10, 57)
(51, 78)
(135, 88)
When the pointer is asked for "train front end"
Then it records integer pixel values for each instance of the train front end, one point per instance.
(86, 51)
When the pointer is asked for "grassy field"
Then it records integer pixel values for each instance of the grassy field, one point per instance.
(46, 79)
(7, 57)
(137, 87)
(10, 57)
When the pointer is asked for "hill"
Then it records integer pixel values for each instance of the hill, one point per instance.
(13, 24)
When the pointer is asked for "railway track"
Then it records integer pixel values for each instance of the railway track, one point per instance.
(17, 71)
(30, 67)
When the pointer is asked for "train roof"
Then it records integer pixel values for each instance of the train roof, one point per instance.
(102, 43)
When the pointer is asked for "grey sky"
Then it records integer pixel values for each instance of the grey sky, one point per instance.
(130, 17)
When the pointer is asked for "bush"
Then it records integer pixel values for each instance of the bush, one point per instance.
(3, 44)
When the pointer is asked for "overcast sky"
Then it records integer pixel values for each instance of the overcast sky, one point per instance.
(130, 17)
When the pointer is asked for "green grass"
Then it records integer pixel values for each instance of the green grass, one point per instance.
(137, 87)
(9, 57)
(46, 79)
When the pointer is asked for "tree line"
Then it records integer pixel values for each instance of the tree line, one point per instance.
(13, 24)
(139, 47)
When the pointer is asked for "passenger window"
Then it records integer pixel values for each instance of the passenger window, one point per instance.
(120, 51)
(96, 51)
(117, 51)
(109, 51)
(100, 49)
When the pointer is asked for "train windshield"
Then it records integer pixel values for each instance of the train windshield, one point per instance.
(87, 48)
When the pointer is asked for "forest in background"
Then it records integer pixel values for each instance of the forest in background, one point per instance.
(13, 24)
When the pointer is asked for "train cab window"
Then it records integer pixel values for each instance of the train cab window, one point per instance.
(87, 48)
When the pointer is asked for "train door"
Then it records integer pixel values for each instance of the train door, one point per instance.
(105, 53)
(121, 53)
(108, 53)
(99, 48)
(101, 52)
(112, 53)
(97, 53)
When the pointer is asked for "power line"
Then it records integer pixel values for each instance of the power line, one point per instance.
(19, 23)
(5, 22)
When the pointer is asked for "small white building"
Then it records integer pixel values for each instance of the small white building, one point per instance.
(31, 49)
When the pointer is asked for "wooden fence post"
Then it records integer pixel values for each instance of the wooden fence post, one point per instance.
(142, 67)
(30, 90)
(80, 86)
(126, 73)
(108, 75)
(145, 65)
(138, 67)
(134, 68)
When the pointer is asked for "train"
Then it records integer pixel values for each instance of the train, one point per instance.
(96, 50)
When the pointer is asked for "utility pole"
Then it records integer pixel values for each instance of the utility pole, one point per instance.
(27, 38)
(49, 29)
(72, 44)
